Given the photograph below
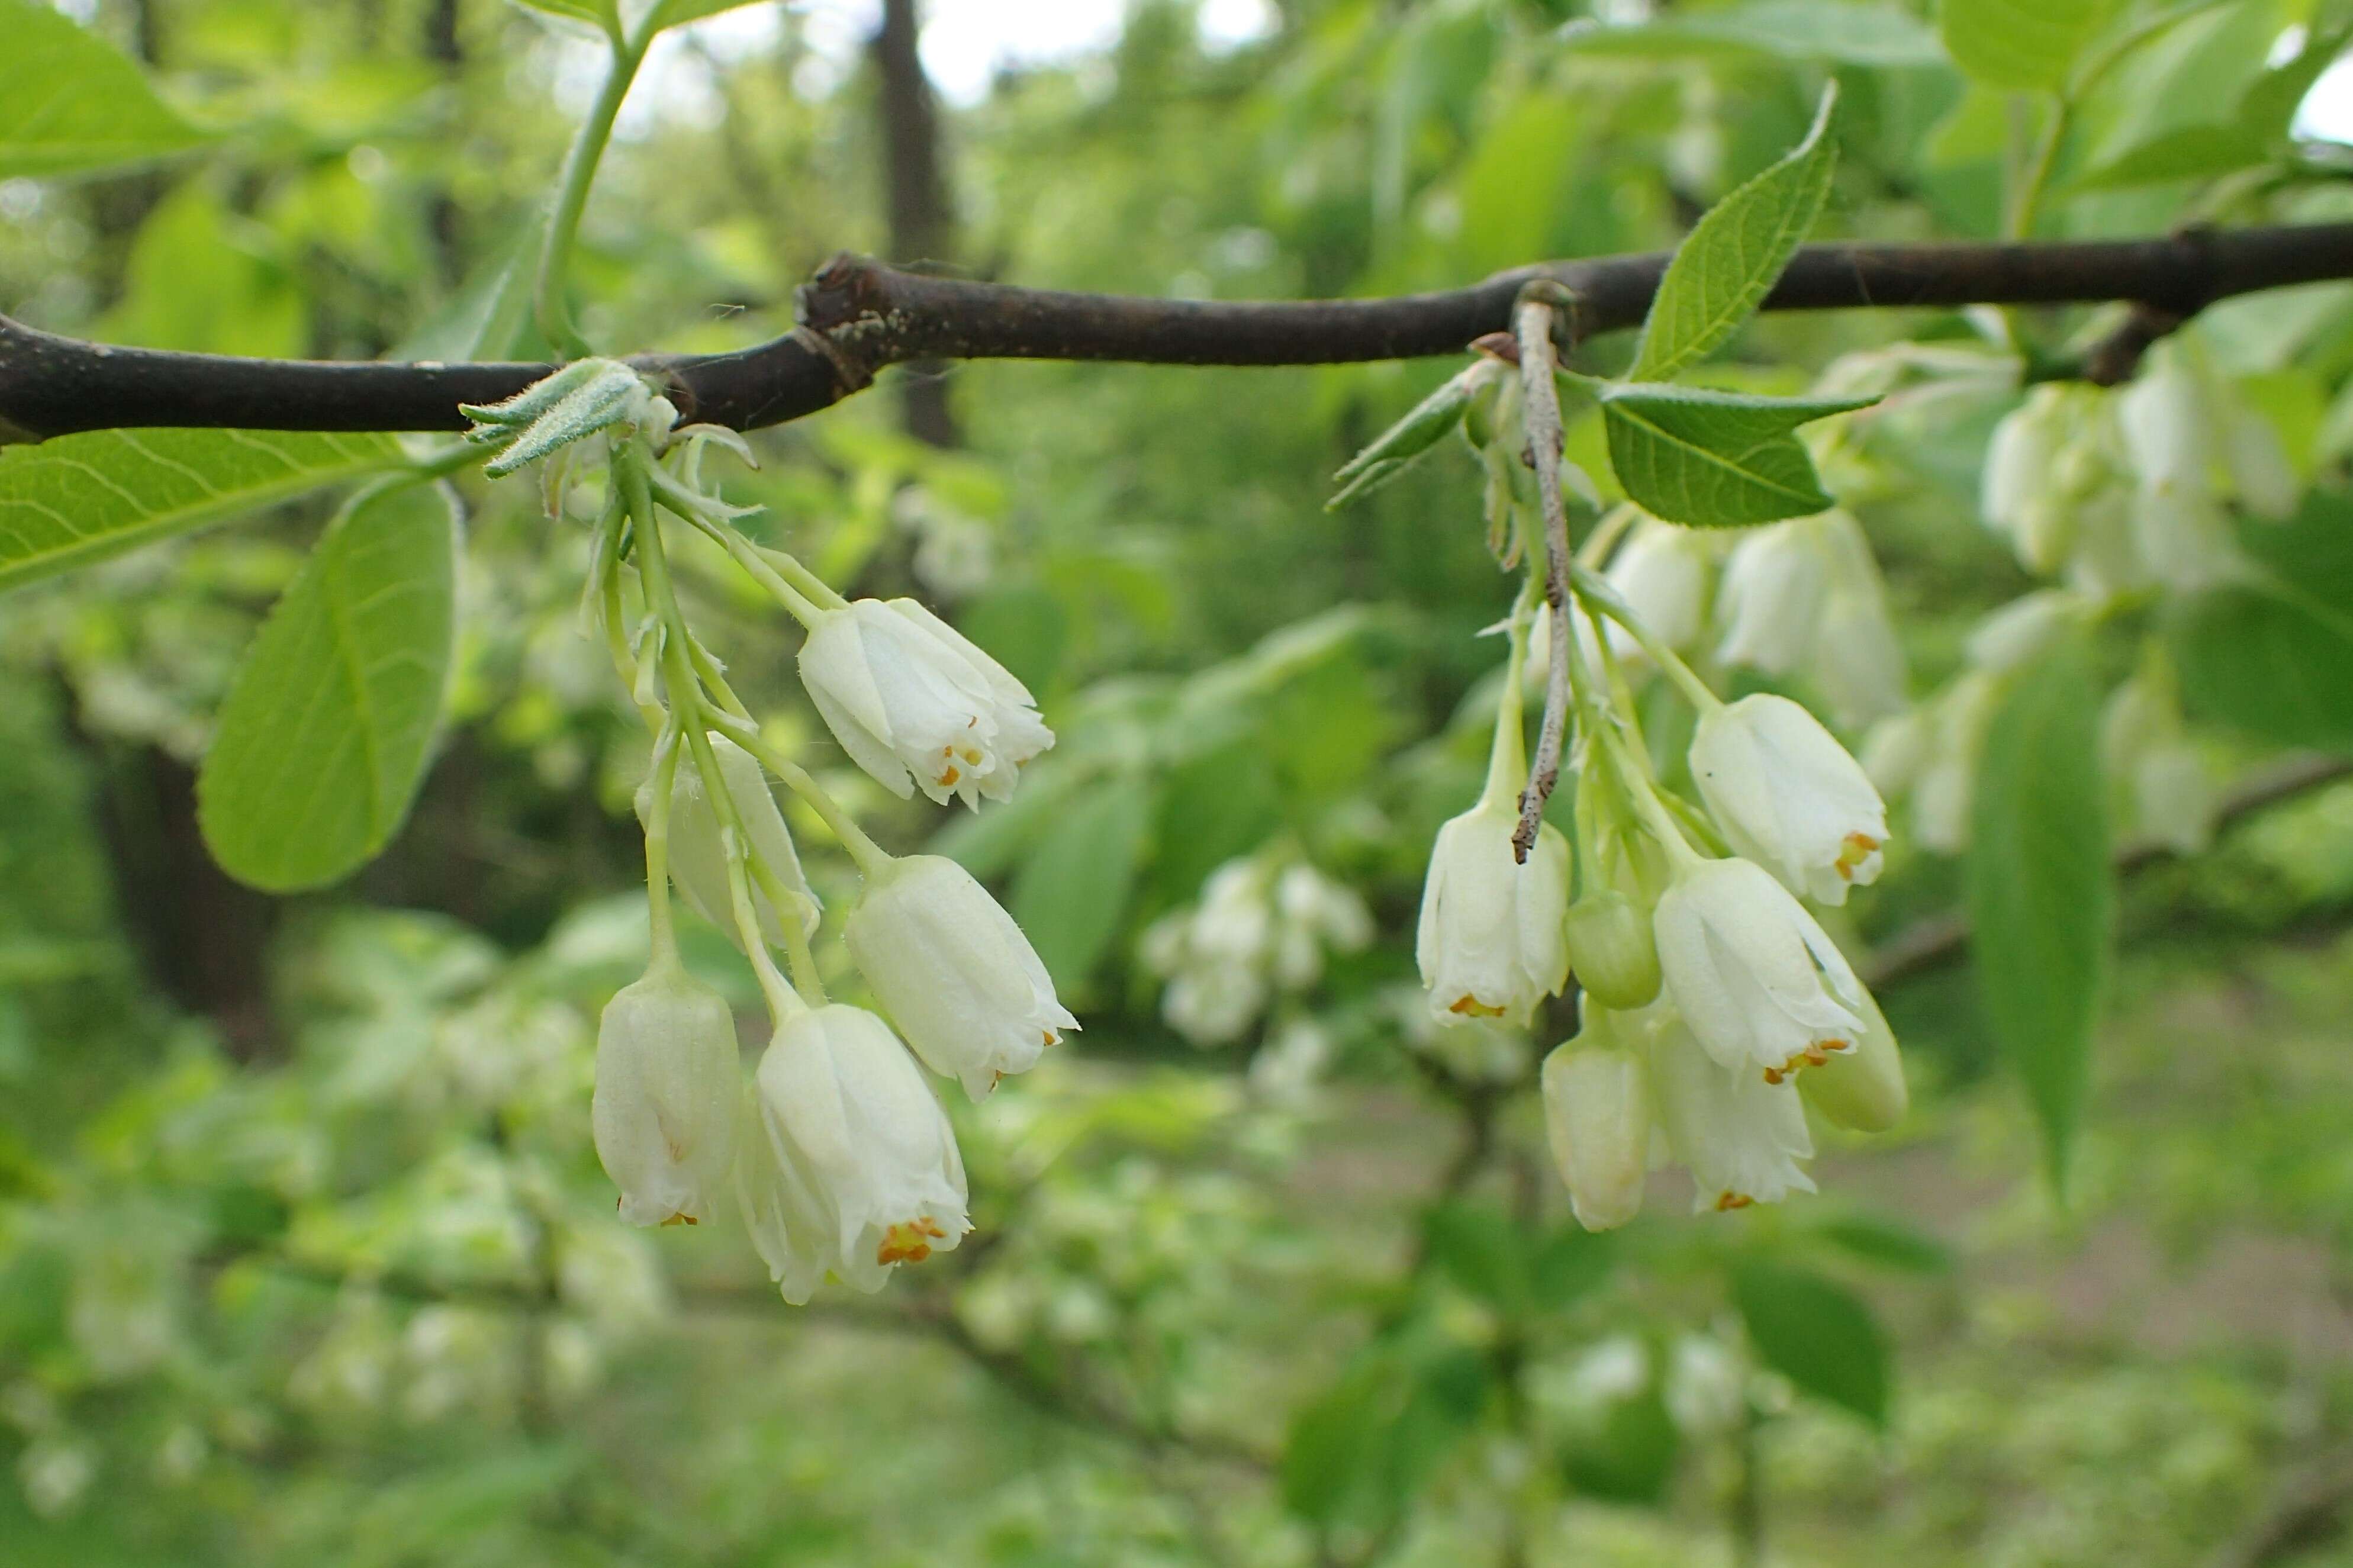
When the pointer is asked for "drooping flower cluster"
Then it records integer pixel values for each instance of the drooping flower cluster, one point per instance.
(2122, 496)
(1715, 1007)
(837, 1149)
(1261, 932)
(2124, 489)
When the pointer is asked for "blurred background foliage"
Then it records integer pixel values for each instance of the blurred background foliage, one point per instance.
(304, 1254)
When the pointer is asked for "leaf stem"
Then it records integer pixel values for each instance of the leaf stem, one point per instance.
(587, 150)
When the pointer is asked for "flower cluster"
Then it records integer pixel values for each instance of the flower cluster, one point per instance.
(2118, 490)
(2120, 496)
(1261, 931)
(1715, 1007)
(836, 1149)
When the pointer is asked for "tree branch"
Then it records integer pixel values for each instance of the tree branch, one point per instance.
(858, 316)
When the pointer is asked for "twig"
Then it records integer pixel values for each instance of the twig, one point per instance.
(859, 315)
(1533, 323)
(1929, 943)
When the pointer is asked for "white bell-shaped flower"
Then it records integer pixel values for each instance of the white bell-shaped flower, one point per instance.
(1772, 598)
(1598, 1118)
(1789, 796)
(2022, 496)
(1756, 978)
(668, 1084)
(1492, 942)
(1805, 598)
(1743, 1139)
(911, 699)
(955, 971)
(864, 1160)
(2162, 783)
(2167, 422)
(2262, 475)
(698, 853)
(1661, 572)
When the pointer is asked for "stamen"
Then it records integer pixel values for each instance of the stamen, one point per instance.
(1469, 1007)
(906, 1241)
(1854, 850)
(1731, 1201)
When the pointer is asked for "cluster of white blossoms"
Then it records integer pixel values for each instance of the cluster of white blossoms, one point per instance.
(836, 1148)
(1261, 932)
(1799, 600)
(1713, 1003)
(2117, 494)
(2116, 490)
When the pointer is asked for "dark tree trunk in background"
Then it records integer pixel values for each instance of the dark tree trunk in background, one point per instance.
(201, 938)
(923, 223)
(442, 47)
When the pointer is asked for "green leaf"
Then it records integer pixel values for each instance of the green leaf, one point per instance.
(1073, 890)
(600, 15)
(1727, 265)
(1714, 459)
(1888, 1243)
(2020, 46)
(70, 102)
(1484, 1250)
(1630, 1456)
(80, 498)
(1816, 1334)
(323, 737)
(2186, 153)
(679, 13)
(1364, 1449)
(1845, 34)
(202, 281)
(2041, 886)
(2275, 667)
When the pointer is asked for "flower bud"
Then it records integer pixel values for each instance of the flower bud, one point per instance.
(1611, 950)
(1789, 796)
(698, 853)
(668, 1086)
(911, 699)
(1596, 1104)
(955, 971)
(1492, 942)
(861, 1168)
(1759, 982)
(1863, 1089)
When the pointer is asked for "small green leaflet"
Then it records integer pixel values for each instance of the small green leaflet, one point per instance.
(2020, 46)
(80, 498)
(2041, 888)
(70, 102)
(1727, 265)
(323, 738)
(1714, 459)
(1816, 1334)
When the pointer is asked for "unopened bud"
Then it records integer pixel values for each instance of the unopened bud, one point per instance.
(1862, 1089)
(1598, 1118)
(1612, 950)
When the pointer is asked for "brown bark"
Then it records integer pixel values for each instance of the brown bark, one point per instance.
(922, 221)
